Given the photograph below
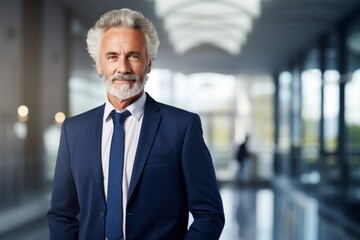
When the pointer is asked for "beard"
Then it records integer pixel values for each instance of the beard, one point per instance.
(124, 90)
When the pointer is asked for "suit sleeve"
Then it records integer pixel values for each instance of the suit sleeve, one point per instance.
(64, 208)
(203, 194)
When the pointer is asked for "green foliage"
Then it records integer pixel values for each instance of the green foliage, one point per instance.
(353, 137)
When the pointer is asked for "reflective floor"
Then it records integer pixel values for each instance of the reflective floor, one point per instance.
(38, 230)
(249, 213)
(239, 205)
(252, 213)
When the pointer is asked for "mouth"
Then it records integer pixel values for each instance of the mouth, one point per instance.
(123, 80)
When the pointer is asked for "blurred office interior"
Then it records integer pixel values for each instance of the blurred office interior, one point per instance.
(285, 73)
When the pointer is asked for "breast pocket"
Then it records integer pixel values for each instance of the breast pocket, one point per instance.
(165, 159)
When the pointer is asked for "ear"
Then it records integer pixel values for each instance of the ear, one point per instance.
(149, 67)
(98, 68)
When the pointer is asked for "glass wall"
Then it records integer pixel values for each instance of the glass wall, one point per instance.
(311, 79)
(210, 95)
(352, 118)
(321, 107)
(261, 91)
(284, 142)
(331, 104)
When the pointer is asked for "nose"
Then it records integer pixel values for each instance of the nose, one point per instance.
(123, 65)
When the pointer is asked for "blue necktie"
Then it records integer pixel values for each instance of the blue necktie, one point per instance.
(114, 212)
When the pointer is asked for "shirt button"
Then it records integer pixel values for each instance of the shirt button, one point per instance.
(102, 214)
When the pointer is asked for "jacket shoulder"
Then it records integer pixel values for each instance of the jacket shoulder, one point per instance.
(88, 114)
(85, 118)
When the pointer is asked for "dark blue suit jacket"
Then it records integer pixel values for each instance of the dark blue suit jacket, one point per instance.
(172, 175)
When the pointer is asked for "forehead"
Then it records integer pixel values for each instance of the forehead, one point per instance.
(123, 39)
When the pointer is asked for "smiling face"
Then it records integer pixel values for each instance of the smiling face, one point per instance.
(123, 63)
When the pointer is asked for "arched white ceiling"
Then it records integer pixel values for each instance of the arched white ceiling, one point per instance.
(222, 23)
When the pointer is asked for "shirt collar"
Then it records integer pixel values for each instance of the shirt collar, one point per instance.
(136, 108)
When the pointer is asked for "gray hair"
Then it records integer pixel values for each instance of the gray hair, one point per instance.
(125, 18)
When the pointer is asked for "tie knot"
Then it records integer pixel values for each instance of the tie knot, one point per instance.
(119, 117)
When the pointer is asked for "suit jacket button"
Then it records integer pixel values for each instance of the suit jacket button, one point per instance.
(102, 214)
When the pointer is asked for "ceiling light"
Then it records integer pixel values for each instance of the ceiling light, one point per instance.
(223, 23)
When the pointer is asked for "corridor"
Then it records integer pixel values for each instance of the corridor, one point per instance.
(283, 74)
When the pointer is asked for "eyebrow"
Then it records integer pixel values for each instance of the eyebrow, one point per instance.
(111, 53)
(134, 52)
(129, 53)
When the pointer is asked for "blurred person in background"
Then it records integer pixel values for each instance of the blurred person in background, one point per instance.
(163, 171)
(243, 157)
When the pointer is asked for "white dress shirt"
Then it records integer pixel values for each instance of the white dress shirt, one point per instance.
(132, 126)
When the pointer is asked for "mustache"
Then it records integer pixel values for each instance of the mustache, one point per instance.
(129, 76)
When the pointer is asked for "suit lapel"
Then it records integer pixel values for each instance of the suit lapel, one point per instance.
(94, 139)
(148, 132)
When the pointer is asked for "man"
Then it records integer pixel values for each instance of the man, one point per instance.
(166, 172)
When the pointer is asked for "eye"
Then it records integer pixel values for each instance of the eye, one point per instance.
(134, 56)
(111, 57)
